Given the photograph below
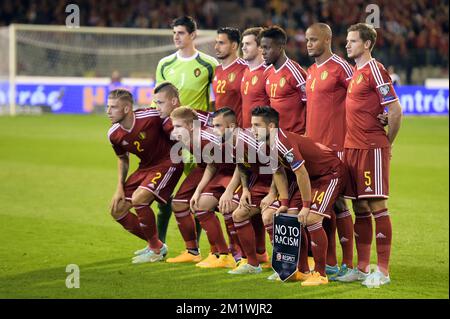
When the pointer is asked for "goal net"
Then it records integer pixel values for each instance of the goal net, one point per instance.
(35, 52)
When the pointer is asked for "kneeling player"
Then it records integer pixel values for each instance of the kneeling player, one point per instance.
(183, 122)
(319, 175)
(139, 133)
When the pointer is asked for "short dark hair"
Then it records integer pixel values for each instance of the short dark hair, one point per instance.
(253, 31)
(168, 88)
(234, 35)
(225, 112)
(366, 32)
(275, 33)
(269, 114)
(186, 21)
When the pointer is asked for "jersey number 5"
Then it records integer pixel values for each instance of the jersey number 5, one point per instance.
(368, 179)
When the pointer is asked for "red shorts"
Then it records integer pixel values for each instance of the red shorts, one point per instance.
(325, 191)
(189, 185)
(368, 173)
(259, 186)
(160, 180)
(218, 183)
(295, 199)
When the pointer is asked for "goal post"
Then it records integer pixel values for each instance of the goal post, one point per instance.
(34, 52)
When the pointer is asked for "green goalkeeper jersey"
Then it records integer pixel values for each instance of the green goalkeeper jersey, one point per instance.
(192, 76)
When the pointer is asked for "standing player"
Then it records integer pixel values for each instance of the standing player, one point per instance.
(228, 75)
(285, 83)
(367, 153)
(140, 133)
(253, 85)
(326, 89)
(253, 92)
(191, 71)
(318, 174)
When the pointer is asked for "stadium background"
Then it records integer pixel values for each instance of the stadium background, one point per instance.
(58, 171)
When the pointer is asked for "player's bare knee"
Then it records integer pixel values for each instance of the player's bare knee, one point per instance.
(239, 215)
(267, 217)
(313, 219)
(120, 210)
(207, 203)
(341, 204)
(141, 197)
(179, 206)
(361, 206)
(377, 204)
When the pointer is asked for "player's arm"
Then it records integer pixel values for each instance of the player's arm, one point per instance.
(270, 197)
(158, 76)
(281, 184)
(123, 165)
(226, 199)
(245, 200)
(394, 120)
(208, 174)
(304, 186)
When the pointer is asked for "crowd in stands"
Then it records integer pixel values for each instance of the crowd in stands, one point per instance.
(414, 33)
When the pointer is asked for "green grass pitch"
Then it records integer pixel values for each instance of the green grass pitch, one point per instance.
(58, 174)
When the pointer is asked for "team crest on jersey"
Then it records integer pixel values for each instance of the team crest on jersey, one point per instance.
(231, 76)
(359, 79)
(142, 135)
(324, 75)
(197, 72)
(289, 157)
(384, 89)
(282, 81)
(254, 79)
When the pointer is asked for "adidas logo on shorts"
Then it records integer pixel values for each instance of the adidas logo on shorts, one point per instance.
(368, 189)
(314, 206)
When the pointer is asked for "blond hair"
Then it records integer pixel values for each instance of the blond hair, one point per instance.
(184, 113)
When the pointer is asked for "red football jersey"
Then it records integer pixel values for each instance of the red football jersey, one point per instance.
(294, 150)
(227, 87)
(253, 92)
(247, 154)
(145, 139)
(326, 89)
(286, 90)
(370, 89)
